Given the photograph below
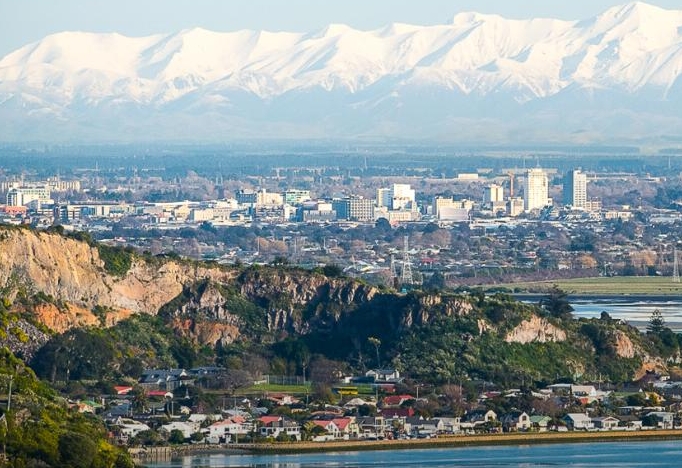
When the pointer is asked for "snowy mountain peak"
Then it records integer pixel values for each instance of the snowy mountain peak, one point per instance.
(543, 78)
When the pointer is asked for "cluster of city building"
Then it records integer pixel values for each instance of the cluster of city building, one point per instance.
(34, 202)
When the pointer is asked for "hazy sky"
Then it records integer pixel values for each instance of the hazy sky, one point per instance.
(25, 21)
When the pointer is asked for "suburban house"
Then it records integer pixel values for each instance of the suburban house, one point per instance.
(394, 401)
(229, 429)
(372, 426)
(384, 375)
(663, 419)
(126, 429)
(578, 422)
(187, 428)
(328, 425)
(606, 423)
(419, 426)
(540, 422)
(515, 421)
(164, 379)
(356, 402)
(479, 417)
(123, 389)
(390, 413)
(450, 425)
(273, 426)
(587, 394)
(339, 428)
(282, 399)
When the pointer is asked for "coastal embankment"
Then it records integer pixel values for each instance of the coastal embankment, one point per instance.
(517, 438)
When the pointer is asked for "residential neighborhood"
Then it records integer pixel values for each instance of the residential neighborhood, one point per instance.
(147, 414)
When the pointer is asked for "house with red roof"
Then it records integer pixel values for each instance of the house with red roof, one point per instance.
(229, 429)
(274, 426)
(392, 413)
(395, 400)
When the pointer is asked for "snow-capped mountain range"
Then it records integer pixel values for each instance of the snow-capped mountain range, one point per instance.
(479, 78)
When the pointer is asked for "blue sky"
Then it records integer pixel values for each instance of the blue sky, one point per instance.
(25, 21)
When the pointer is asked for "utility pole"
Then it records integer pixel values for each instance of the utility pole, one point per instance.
(9, 394)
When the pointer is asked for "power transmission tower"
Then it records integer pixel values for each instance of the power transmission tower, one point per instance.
(676, 268)
(394, 273)
(406, 277)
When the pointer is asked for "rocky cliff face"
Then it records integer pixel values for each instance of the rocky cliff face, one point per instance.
(535, 329)
(73, 272)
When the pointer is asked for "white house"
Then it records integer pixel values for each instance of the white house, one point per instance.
(516, 421)
(664, 419)
(186, 428)
(128, 428)
(578, 421)
(384, 375)
(273, 426)
(606, 423)
(229, 429)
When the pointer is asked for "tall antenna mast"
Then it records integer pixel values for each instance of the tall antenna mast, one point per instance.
(406, 277)
(676, 268)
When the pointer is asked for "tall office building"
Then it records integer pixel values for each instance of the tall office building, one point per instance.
(402, 197)
(493, 193)
(536, 190)
(575, 189)
(384, 198)
(354, 208)
(23, 195)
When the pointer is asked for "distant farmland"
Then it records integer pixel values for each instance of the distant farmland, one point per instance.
(618, 285)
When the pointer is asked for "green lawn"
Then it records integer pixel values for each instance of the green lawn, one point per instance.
(363, 389)
(618, 285)
(273, 388)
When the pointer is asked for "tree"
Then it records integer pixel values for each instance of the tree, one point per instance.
(376, 342)
(556, 303)
(176, 437)
(140, 399)
(76, 450)
(326, 371)
(332, 270)
(656, 323)
(232, 379)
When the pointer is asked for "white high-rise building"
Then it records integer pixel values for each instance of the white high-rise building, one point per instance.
(384, 196)
(493, 193)
(575, 189)
(402, 196)
(536, 190)
(22, 196)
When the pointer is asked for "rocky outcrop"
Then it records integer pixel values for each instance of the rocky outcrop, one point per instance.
(62, 319)
(72, 271)
(623, 345)
(430, 305)
(207, 332)
(535, 329)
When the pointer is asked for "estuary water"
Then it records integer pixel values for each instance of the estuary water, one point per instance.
(635, 311)
(598, 454)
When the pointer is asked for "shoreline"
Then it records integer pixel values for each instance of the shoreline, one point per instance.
(518, 438)
(452, 441)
